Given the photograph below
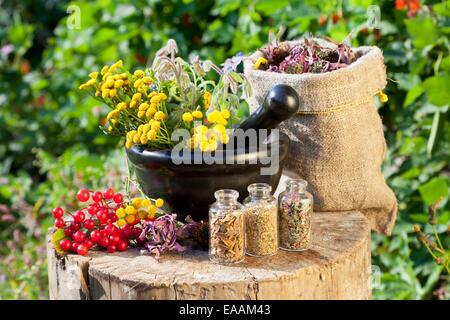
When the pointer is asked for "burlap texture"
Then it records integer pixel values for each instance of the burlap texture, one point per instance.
(337, 140)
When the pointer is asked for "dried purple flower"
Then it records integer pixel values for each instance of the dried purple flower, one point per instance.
(308, 56)
(160, 235)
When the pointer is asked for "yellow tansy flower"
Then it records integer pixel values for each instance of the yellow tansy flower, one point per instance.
(118, 84)
(147, 80)
(203, 145)
(225, 113)
(141, 214)
(150, 112)
(133, 103)
(187, 117)
(147, 128)
(137, 96)
(120, 213)
(260, 61)
(93, 75)
(136, 202)
(197, 114)
(224, 138)
(121, 106)
(130, 134)
(201, 129)
(138, 83)
(146, 203)
(121, 223)
(159, 116)
(141, 114)
(137, 138)
(105, 93)
(156, 125)
(151, 135)
(104, 70)
(128, 144)
(159, 202)
(152, 209)
(139, 73)
(144, 138)
(130, 218)
(91, 82)
(213, 116)
(144, 106)
(130, 210)
(211, 146)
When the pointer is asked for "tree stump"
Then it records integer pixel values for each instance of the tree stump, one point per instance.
(338, 266)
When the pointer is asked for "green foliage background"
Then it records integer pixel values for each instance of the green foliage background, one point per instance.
(50, 142)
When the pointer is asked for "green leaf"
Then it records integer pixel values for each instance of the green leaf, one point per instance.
(422, 30)
(432, 190)
(57, 237)
(442, 9)
(268, 7)
(437, 89)
(411, 173)
(433, 139)
(236, 77)
(412, 95)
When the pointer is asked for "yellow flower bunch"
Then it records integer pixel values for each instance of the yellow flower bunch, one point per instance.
(206, 100)
(219, 117)
(153, 118)
(147, 106)
(138, 209)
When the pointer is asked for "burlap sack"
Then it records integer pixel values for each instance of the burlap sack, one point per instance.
(337, 140)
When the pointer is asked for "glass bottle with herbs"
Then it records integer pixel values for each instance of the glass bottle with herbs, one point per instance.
(260, 221)
(226, 228)
(295, 206)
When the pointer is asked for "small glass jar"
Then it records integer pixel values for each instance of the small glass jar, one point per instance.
(261, 226)
(226, 228)
(295, 207)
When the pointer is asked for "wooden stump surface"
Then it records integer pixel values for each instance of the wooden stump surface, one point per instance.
(336, 267)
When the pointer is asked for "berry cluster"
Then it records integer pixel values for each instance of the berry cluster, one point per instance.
(83, 232)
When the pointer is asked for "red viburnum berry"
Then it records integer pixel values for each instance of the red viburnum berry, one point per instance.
(114, 239)
(58, 212)
(112, 248)
(79, 236)
(75, 246)
(89, 243)
(104, 241)
(108, 194)
(82, 249)
(123, 245)
(97, 196)
(59, 223)
(83, 195)
(79, 216)
(95, 235)
(65, 244)
(68, 231)
(92, 209)
(118, 198)
(89, 224)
